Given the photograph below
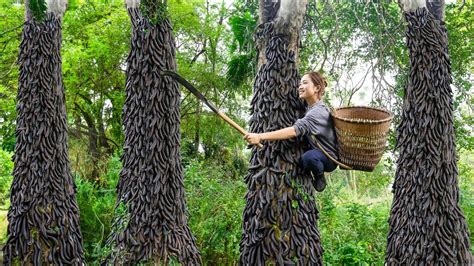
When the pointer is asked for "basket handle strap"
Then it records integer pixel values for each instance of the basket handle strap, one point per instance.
(341, 165)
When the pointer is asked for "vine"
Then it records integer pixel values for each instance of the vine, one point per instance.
(155, 11)
(38, 9)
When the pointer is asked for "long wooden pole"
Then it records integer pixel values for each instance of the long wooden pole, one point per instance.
(203, 99)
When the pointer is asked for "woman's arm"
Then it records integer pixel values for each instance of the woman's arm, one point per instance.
(281, 134)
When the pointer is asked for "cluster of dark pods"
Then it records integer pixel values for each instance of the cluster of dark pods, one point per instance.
(153, 223)
(279, 219)
(43, 217)
(427, 226)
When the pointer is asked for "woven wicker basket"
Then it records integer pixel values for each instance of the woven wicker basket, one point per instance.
(361, 135)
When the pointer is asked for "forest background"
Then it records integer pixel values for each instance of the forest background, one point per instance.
(358, 45)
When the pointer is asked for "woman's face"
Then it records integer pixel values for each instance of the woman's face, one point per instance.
(307, 89)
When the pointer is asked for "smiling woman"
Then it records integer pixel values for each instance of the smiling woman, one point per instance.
(317, 122)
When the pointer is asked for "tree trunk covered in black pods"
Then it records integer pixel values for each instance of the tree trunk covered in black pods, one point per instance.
(151, 222)
(279, 220)
(427, 227)
(43, 217)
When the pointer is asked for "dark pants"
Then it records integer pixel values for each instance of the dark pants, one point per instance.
(316, 162)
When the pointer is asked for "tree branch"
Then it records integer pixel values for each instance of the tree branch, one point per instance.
(196, 56)
(74, 132)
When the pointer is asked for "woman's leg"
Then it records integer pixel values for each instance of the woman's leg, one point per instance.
(316, 162)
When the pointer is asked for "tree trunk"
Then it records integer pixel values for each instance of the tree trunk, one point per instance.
(103, 142)
(43, 217)
(93, 141)
(151, 223)
(279, 220)
(98, 142)
(197, 128)
(426, 224)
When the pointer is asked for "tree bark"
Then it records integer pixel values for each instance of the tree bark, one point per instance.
(280, 216)
(43, 217)
(103, 141)
(426, 224)
(93, 141)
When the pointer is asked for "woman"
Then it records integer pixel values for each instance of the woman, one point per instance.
(317, 121)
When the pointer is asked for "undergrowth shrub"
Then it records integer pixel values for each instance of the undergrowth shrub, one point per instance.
(6, 171)
(215, 203)
(96, 205)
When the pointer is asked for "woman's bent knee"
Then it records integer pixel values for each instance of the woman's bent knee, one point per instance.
(311, 161)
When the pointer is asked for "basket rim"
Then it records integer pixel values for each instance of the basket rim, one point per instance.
(361, 121)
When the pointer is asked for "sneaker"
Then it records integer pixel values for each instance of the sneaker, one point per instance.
(319, 182)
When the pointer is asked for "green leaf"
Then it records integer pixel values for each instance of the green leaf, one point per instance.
(38, 9)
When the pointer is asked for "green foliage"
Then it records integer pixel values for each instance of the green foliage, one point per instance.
(156, 11)
(372, 184)
(464, 126)
(461, 47)
(96, 42)
(96, 205)
(215, 206)
(243, 27)
(6, 171)
(242, 65)
(217, 137)
(241, 68)
(11, 19)
(354, 210)
(7, 119)
(38, 9)
(6, 178)
(466, 192)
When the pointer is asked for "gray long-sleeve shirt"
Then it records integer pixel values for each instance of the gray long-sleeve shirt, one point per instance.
(318, 122)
